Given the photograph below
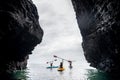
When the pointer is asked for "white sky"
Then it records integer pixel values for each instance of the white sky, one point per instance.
(61, 33)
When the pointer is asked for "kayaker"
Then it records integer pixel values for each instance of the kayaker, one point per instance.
(70, 64)
(61, 64)
(51, 64)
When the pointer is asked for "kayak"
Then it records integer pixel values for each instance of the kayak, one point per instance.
(52, 67)
(61, 69)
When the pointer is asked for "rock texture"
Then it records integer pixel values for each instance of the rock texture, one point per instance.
(20, 32)
(99, 22)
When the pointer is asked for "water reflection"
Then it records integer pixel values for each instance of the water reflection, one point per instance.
(61, 73)
(96, 75)
(90, 74)
(19, 75)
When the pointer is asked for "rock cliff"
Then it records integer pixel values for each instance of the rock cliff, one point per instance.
(99, 23)
(20, 32)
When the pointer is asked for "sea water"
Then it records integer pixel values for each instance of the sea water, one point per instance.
(79, 71)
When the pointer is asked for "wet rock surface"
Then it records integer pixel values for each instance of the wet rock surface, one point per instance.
(20, 32)
(99, 23)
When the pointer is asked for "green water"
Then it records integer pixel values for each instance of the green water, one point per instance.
(90, 75)
(97, 75)
(20, 75)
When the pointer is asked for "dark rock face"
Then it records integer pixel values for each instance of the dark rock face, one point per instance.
(20, 32)
(99, 22)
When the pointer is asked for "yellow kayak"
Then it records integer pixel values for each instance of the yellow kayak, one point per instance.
(61, 69)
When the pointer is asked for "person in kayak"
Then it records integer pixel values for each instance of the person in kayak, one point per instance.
(61, 64)
(70, 64)
(51, 64)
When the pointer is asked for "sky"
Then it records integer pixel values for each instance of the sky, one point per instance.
(61, 33)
